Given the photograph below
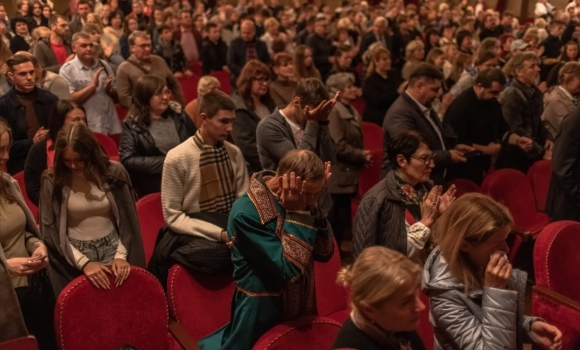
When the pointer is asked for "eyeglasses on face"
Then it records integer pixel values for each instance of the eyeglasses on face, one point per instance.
(261, 80)
(425, 159)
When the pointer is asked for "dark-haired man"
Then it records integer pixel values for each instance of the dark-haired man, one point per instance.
(53, 51)
(83, 9)
(214, 51)
(485, 60)
(322, 50)
(276, 231)
(26, 109)
(244, 48)
(477, 120)
(412, 112)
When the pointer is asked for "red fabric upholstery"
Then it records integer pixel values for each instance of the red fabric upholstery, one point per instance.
(540, 174)
(464, 186)
(556, 265)
(19, 177)
(195, 67)
(189, 87)
(224, 79)
(109, 145)
(309, 332)
(425, 328)
(121, 112)
(201, 303)
(22, 343)
(134, 314)
(151, 220)
(512, 188)
(359, 105)
(331, 298)
(373, 137)
(368, 177)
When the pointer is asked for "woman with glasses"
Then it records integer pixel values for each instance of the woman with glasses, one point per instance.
(154, 125)
(253, 103)
(400, 210)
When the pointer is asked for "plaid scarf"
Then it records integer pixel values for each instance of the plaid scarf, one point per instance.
(217, 180)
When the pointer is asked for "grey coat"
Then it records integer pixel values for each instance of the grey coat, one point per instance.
(46, 57)
(488, 319)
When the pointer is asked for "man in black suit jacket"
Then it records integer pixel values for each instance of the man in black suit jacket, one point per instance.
(26, 108)
(322, 49)
(244, 48)
(412, 112)
(378, 33)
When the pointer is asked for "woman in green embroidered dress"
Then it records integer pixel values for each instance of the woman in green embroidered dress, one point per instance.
(399, 211)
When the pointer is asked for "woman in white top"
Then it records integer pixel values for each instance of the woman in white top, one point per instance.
(88, 215)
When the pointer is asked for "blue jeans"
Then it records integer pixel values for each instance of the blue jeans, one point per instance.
(100, 250)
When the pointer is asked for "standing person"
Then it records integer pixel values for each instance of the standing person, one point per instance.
(214, 51)
(276, 232)
(304, 65)
(130, 25)
(385, 302)
(143, 62)
(562, 99)
(83, 10)
(322, 50)
(474, 295)
(21, 40)
(92, 85)
(414, 54)
(26, 255)
(382, 86)
(245, 48)
(89, 219)
(26, 109)
(53, 51)
(378, 33)
(35, 18)
(188, 37)
(282, 89)
(154, 126)
(522, 107)
(49, 81)
(171, 51)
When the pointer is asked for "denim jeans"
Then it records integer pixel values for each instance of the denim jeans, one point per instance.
(100, 250)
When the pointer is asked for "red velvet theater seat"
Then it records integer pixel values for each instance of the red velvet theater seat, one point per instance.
(23, 343)
(556, 296)
(368, 177)
(513, 189)
(224, 79)
(464, 186)
(19, 177)
(309, 332)
(201, 303)
(151, 220)
(540, 174)
(109, 145)
(331, 298)
(94, 319)
(373, 136)
(189, 87)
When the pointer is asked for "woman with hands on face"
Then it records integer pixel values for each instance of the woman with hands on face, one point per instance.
(474, 292)
(26, 254)
(381, 219)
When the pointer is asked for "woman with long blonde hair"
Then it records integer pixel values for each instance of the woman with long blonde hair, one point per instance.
(475, 296)
(385, 302)
(414, 54)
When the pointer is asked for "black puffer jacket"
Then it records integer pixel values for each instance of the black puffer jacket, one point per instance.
(141, 157)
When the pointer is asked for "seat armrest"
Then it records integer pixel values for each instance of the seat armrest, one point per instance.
(182, 337)
(557, 297)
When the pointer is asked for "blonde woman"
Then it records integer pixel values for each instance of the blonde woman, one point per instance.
(475, 296)
(206, 84)
(450, 51)
(414, 54)
(272, 34)
(385, 302)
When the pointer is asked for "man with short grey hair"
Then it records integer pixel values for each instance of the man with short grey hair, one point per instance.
(92, 85)
(142, 62)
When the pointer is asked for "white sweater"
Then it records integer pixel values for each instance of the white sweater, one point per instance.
(180, 187)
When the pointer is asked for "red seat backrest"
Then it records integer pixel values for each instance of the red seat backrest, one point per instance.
(556, 258)
(151, 221)
(464, 186)
(309, 332)
(19, 177)
(359, 105)
(540, 174)
(425, 328)
(368, 177)
(224, 79)
(373, 137)
(108, 144)
(189, 87)
(200, 302)
(94, 319)
(23, 343)
(121, 112)
(330, 296)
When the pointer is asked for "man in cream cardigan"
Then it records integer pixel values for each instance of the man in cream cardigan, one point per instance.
(204, 174)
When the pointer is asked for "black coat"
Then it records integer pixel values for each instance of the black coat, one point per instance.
(379, 94)
(141, 157)
(322, 49)
(237, 56)
(563, 201)
(18, 43)
(370, 38)
(13, 111)
(213, 56)
(351, 337)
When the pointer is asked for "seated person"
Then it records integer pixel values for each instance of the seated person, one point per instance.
(154, 125)
(381, 219)
(25, 255)
(474, 295)
(276, 231)
(253, 104)
(88, 215)
(383, 283)
(206, 84)
(170, 50)
(210, 186)
(283, 87)
(41, 155)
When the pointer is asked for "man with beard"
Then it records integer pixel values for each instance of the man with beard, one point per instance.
(53, 51)
(412, 112)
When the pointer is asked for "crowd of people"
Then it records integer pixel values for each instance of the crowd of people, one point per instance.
(262, 181)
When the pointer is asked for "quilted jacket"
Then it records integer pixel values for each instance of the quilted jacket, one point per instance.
(490, 319)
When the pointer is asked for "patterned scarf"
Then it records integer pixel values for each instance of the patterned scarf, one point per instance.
(411, 196)
(217, 180)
